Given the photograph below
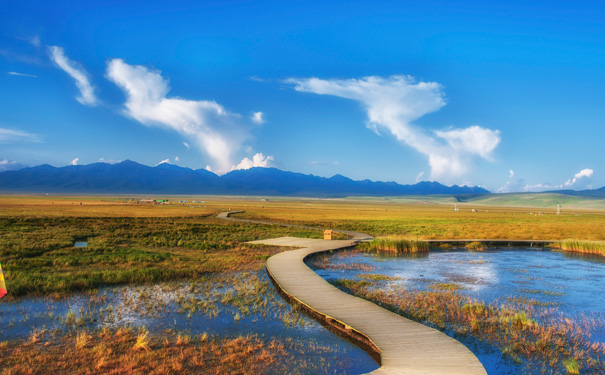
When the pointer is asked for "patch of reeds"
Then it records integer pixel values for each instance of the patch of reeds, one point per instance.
(533, 340)
(579, 246)
(396, 245)
(476, 246)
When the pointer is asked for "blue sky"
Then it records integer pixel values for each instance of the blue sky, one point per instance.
(507, 96)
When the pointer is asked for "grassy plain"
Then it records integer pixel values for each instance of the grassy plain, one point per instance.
(429, 220)
(127, 243)
(131, 243)
(144, 243)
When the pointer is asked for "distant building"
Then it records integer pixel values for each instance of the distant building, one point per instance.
(328, 234)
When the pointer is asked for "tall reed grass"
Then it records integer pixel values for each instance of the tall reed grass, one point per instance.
(397, 245)
(579, 246)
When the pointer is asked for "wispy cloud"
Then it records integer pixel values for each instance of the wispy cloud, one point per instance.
(213, 129)
(393, 103)
(75, 161)
(258, 160)
(258, 118)
(10, 165)
(165, 161)
(21, 74)
(77, 72)
(419, 177)
(186, 145)
(17, 136)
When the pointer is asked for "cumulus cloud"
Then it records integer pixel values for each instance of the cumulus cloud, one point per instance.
(75, 71)
(213, 129)
(75, 161)
(511, 173)
(583, 178)
(10, 165)
(17, 136)
(21, 74)
(393, 103)
(258, 117)
(580, 181)
(258, 160)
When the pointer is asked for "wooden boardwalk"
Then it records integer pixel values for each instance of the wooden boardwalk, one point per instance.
(405, 347)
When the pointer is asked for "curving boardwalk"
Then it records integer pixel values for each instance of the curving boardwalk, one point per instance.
(405, 347)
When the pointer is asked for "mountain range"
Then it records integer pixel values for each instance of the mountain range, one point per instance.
(129, 177)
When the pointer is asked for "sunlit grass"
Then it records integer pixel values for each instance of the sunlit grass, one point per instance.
(584, 247)
(525, 334)
(396, 245)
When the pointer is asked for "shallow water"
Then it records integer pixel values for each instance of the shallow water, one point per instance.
(212, 306)
(566, 286)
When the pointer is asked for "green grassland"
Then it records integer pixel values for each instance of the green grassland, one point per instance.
(136, 243)
(38, 254)
(536, 200)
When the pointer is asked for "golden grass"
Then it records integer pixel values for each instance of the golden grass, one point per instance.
(436, 221)
(111, 352)
(584, 247)
(423, 220)
(396, 245)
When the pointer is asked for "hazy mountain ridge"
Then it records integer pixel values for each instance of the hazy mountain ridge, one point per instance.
(131, 177)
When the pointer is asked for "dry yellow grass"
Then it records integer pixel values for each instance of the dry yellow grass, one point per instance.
(422, 220)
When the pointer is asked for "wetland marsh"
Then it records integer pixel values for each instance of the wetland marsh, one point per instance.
(531, 311)
(171, 289)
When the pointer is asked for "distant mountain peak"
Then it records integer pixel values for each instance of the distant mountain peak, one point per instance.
(133, 178)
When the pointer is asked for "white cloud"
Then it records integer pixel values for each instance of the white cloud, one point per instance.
(419, 177)
(511, 173)
(581, 181)
(75, 161)
(17, 136)
(258, 117)
(214, 130)
(110, 161)
(393, 103)
(10, 165)
(21, 74)
(258, 160)
(186, 145)
(583, 177)
(87, 91)
(163, 162)
(176, 158)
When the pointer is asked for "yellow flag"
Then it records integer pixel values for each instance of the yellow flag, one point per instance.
(2, 286)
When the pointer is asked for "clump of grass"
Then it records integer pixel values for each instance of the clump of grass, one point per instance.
(377, 277)
(82, 340)
(142, 342)
(585, 247)
(445, 286)
(571, 365)
(397, 245)
(476, 246)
